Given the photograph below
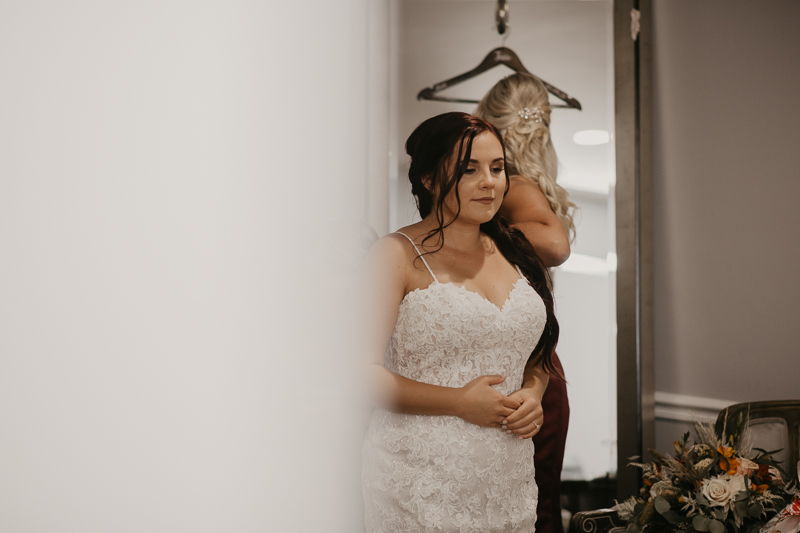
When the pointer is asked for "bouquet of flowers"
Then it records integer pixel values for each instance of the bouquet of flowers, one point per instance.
(716, 485)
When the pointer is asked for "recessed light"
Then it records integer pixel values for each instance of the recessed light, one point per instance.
(591, 137)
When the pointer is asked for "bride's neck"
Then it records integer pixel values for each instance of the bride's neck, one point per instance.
(459, 236)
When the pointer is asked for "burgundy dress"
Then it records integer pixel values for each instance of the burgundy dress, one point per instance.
(549, 457)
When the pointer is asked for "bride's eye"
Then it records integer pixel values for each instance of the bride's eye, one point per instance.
(498, 170)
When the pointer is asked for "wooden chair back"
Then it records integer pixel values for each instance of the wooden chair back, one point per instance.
(773, 424)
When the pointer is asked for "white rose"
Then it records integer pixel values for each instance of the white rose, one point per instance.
(737, 484)
(721, 490)
(716, 491)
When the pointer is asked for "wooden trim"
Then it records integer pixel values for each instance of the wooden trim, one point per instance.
(671, 407)
(647, 283)
(633, 198)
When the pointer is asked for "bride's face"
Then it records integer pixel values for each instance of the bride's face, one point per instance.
(483, 184)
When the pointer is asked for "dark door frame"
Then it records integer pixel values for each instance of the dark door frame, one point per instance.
(634, 233)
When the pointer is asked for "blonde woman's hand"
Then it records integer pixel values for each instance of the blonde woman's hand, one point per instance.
(527, 420)
(482, 405)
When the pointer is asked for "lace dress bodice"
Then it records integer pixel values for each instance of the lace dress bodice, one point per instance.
(440, 473)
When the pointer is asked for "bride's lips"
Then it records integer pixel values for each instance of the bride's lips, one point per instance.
(485, 201)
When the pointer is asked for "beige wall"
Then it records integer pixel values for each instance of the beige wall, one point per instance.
(726, 194)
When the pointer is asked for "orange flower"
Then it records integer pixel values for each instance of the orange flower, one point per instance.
(728, 465)
(728, 462)
(726, 451)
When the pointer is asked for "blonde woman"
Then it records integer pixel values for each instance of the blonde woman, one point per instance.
(519, 107)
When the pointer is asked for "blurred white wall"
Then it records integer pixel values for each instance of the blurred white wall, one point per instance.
(174, 177)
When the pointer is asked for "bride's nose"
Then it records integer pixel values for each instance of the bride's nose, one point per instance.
(487, 180)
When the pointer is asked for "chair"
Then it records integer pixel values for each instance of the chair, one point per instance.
(599, 521)
(773, 425)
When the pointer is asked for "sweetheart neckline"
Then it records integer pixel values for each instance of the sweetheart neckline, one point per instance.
(499, 308)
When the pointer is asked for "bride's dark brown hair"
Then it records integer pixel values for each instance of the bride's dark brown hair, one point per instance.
(440, 150)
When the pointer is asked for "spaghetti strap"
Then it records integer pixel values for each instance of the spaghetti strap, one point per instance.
(521, 275)
(419, 255)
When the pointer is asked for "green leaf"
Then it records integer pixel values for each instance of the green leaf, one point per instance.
(741, 509)
(701, 523)
(631, 527)
(718, 513)
(755, 510)
(743, 495)
(765, 452)
(662, 505)
(700, 499)
(716, 527)
(671, 516)
(638, 508)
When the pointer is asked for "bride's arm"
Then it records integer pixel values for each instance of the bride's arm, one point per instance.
(528, 419)
(526, 208)
(476, 402)
(385, 286)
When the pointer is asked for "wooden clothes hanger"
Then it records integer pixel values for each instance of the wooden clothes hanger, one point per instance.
(498, 56)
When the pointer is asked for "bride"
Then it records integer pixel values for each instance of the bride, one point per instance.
(463, 323)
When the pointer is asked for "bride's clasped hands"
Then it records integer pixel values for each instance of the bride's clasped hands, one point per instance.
(519, 413)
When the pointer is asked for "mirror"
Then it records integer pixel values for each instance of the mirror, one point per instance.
(568, 43)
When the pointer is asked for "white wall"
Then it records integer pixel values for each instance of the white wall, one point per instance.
(171, 177)
(727, 184)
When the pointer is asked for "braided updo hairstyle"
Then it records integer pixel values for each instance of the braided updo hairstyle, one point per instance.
(440, 150)
(529, 149)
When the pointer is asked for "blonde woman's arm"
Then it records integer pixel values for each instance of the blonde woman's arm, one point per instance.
(526, 208)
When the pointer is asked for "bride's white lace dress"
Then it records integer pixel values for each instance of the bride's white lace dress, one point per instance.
(441, 473)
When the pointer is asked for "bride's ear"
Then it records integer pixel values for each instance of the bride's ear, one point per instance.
(426, 182)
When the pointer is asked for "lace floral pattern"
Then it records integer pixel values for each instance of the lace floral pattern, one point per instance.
(441, 473)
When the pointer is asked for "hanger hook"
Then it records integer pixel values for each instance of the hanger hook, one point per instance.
(501, 16)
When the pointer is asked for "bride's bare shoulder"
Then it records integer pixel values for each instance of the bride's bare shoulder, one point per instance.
(392, 249)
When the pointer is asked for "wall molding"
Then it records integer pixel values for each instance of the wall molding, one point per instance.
(684, 408)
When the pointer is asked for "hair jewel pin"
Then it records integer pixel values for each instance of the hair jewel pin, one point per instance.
(534, 113)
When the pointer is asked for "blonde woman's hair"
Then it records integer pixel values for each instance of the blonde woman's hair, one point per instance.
(519, 107)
